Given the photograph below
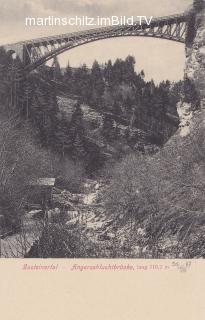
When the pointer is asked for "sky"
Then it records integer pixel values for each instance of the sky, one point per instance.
(160, 59)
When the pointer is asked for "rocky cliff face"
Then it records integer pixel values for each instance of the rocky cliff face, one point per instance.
(195, 72)
(195, 55)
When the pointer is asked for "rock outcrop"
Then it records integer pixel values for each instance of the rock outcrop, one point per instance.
(195, 55)
(194, 73)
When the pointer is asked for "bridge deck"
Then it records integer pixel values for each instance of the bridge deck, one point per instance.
(182, 17)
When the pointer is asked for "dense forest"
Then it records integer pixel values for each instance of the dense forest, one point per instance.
(129, 106)
(105, 122)
(122, 95)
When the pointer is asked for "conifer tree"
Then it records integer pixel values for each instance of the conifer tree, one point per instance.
(108, 70)
(97, 79)
(108, 128)
(116, 109)
(68, 77)
(57, 75)
(77, 131)
(62, 142)
(198, 5)
(5, 80)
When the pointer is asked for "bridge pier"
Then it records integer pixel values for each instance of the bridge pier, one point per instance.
(17, 48)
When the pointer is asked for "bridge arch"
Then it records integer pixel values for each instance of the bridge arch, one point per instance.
(34, 53)
(67, 47)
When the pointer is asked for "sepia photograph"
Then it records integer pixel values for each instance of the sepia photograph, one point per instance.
(102, 129)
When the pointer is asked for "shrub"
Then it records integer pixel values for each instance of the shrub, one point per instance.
(164, 195)
(59, 241)
(20, 162)
(69, 174)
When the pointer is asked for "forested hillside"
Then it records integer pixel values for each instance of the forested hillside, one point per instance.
(122, 95)
(130, 107)
(105, 123)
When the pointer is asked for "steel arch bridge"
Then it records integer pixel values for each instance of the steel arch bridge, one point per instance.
(36, 52)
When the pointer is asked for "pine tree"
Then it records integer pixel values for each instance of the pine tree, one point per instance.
(116, 109)
(97, 82)
(62, 140)
(57, 75)
(79, 147)
(198, 5)
(128, 106)
(68, 72)
(142, 74)
(5, 80)
(81, 83)
(108, 129)
(108, 73)
(129, 70)
(77, 131)
(68, 80)
(191, 94)
(44, 111)
(118, 72)
(25, 93)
